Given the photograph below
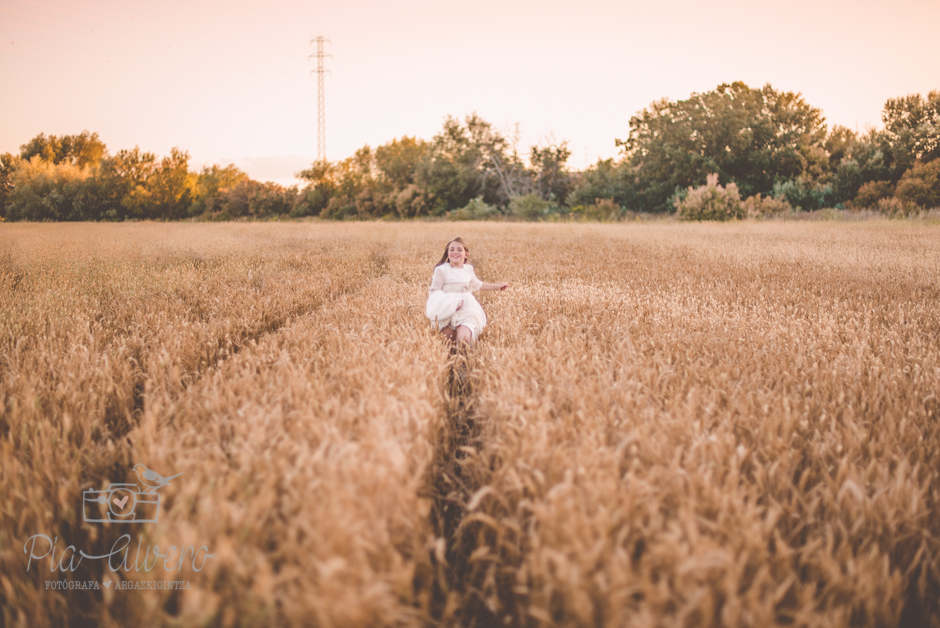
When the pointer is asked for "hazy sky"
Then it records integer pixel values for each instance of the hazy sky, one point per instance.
(230, 81)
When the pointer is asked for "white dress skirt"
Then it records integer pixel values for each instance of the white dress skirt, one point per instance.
(449, 288)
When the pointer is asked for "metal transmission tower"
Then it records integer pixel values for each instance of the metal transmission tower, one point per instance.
(321, 113)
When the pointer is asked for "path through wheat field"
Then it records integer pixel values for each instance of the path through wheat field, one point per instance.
(662, 425)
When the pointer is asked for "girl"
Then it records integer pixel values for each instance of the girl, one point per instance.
(451, 303)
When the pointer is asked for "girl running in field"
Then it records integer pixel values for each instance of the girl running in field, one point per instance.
(451, 304)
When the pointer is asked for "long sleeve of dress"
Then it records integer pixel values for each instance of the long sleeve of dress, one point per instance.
(475, 283)
(437, 280)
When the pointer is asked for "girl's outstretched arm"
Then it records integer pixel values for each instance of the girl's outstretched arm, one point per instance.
(494, 286)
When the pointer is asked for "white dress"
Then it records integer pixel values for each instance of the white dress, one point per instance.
(449, 288)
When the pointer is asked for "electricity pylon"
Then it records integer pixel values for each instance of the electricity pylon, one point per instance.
(321, 113)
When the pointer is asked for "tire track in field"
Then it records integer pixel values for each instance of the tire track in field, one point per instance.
(474, 568)
(120, 425)
(377, 265)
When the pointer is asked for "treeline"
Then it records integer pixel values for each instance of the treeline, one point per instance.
(771, 144)
(73, 177)
(468, 168)
(751, 151)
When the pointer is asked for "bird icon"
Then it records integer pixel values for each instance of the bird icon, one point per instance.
(151, 479)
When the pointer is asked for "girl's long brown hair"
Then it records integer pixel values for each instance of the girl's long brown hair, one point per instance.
(466, 250)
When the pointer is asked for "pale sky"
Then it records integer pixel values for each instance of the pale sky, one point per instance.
(230, 81)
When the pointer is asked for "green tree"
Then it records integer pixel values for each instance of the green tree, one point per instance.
(84, 149)
(408, 177)
(875, 157)
(398, 160)
(355, 192)
(606, 180)
(8, 165)
(846, 181)
(469, 160)
(254, 199)
(912, 128)
(147, 188)
(921, 185)
(47, 191)
(840, 144)
(211, 185)
(753, 137)
(550, 178)
(123, 181)
(396, 165)
(171, 187)
(321, 186)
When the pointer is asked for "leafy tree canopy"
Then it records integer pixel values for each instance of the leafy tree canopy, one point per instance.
(912, 126)
(84, 149)
(398, 160)
(754, 137)
(469, 160)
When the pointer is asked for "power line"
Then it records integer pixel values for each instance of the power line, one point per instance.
(321, 112)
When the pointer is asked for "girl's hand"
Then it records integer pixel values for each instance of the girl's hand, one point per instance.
(459, 306)
(502, 286)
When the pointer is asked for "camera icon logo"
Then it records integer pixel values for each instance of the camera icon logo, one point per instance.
(125, 503)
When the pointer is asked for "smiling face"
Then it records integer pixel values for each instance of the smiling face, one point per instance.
(456, 254)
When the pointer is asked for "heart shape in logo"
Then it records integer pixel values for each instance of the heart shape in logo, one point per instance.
(120, 502)
(107, 583)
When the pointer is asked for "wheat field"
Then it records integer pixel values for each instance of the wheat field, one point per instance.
(662, 425)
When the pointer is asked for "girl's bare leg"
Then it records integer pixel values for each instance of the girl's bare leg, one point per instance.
(449, 333)
(464, 336)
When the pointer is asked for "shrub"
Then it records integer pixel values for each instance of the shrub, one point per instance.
(921, 185)
(764, 207)
(895, 207)
(339, 208)
(311, 201)
(710, 202)
(870, 193)
(529, 206)
(602, 209)
(251, 199)
(804, 195)
(476, 209)
(410, 201)
(607, 180)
